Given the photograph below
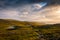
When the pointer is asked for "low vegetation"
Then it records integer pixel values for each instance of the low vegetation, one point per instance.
(28, 31)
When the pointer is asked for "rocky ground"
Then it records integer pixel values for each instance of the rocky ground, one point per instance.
(15, 30)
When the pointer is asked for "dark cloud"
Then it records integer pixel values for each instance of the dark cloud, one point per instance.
(4, 3)
(14, 3)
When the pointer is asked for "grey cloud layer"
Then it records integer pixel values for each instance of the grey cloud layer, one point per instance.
(14, 3)
(26, 13)
(31, 12)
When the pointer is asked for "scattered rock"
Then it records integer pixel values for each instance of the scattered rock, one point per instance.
(13, 27)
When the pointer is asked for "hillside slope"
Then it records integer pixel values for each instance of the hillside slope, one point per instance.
(28, 30)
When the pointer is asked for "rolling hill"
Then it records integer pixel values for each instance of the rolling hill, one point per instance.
(23, 30)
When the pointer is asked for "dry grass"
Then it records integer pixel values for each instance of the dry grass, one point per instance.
(28, 31)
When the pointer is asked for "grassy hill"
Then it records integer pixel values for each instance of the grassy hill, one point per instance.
(28, 30)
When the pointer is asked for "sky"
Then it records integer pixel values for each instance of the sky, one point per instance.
(46, 11)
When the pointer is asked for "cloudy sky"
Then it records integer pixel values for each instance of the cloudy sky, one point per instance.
(46, 11)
